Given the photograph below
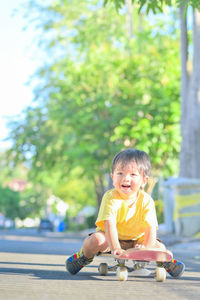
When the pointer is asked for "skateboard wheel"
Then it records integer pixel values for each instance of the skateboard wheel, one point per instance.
(103, 269)
(160, 274)
(122, 273)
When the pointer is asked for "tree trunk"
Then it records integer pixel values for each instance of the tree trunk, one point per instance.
(100, 189)
(190, 102)
(129, 22)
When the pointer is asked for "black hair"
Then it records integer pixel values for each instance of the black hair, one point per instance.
(141, 159)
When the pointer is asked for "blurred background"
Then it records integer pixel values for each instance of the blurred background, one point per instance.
(80, 81)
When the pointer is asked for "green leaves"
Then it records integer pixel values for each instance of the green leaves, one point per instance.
(193, 3)
(9, 203)
(98, 99)
(155, 5)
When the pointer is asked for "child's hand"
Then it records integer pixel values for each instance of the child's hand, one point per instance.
(117, 251)
(139, 246)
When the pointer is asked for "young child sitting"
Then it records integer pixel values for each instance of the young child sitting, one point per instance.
(127, 215)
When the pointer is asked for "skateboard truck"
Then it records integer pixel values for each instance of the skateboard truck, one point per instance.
(140, 259)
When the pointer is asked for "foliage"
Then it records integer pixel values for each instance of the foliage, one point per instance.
(77, 191)
(97, 99)
(15, 204)
(159, 202)
(155, 5)
(8, 170)
(90, 220)
(159, 205)
(33, 202)
(9, 203)
(190, 81)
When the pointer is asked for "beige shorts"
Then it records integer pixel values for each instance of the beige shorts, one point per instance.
(126, 244)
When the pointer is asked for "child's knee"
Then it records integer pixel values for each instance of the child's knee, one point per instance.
(98, 239)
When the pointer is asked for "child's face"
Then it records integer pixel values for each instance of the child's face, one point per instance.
(127, 179)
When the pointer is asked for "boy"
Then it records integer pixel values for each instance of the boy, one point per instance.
(127, 216)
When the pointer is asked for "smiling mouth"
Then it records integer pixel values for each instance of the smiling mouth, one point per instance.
(126, 186)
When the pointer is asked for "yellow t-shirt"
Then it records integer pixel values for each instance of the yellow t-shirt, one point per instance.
(131, 219)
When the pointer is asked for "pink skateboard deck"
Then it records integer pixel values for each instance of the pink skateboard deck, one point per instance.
(143, 255)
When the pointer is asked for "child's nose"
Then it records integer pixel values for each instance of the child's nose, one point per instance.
(127, 177)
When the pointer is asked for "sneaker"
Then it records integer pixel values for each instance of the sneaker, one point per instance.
(76, 262)
(174, 267)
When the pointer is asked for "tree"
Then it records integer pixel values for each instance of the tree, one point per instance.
(190, 99)
(190, 83)
(155, 5)
(9, 203)
(97, 100)
(25, 202)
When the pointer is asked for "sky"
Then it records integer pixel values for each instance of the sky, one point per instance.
(17, 63)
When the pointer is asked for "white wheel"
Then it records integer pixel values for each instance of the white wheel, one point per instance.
(103, 269)
(122, 273)
(160, 274)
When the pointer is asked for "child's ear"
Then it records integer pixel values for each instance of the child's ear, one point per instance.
(111, 175)
(145, 179)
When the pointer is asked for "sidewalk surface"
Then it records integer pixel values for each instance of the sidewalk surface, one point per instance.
(32, 266)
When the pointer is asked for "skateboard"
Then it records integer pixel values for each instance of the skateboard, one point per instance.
(140, 258)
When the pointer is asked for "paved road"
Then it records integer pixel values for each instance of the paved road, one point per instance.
(32, 267)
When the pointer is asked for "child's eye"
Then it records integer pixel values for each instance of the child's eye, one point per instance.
(133, 174)
(119, 173)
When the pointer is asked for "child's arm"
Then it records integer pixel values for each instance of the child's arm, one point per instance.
(112, 237)
(149, 238)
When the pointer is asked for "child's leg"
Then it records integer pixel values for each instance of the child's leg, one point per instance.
(174, 267)
(95, 243)
(91, 246)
